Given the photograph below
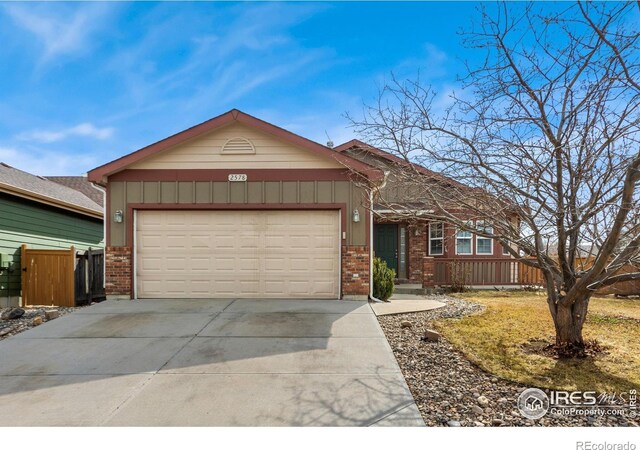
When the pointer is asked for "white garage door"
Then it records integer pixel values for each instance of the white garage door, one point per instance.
(237, 254)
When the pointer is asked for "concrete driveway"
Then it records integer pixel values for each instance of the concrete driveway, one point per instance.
(206, 363)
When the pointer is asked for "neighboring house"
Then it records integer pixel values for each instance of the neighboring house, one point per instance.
(44, 215)
(404, 243)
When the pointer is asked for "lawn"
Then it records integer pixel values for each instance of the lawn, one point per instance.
(494, 339)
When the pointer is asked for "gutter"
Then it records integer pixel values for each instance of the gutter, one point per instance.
(30, 195)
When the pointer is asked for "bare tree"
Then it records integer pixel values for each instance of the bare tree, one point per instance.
(542, 143)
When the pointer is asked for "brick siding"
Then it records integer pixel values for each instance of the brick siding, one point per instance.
(417, 244)
(118, 272)
(355, 261)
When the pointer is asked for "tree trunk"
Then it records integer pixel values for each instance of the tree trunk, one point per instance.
(569, 320)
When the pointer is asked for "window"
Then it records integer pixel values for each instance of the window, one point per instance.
(505, 250)
(436, 238)
(484, 245)
(463, 242)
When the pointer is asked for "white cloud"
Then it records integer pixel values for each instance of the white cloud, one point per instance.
(83, 129)
(45, 162)
(61, 30)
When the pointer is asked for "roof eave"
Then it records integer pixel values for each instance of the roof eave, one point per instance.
(50, 201)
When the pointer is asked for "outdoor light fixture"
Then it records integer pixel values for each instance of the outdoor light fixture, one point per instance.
(118, 216)
(356, 215)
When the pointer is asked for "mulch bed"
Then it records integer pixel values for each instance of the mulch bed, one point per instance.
(451, 391)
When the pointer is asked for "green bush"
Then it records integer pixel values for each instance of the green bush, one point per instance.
(383, 284)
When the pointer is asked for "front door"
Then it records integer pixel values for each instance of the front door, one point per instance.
(385, 244)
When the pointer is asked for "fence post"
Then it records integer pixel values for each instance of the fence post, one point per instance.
(72, 275)
(23, 273)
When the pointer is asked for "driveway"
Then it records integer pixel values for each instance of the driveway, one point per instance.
(206, 363)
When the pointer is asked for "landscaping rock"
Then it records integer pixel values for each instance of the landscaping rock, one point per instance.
(6, 330)
(52, 314)
(12, 314)
(406, 324)
(37, 320)
(477, 410)
(446, 385)
(431, 336)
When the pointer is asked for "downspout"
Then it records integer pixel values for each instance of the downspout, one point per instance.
(104, 230)
(381, 186)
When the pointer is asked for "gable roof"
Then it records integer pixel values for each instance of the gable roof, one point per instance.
(356, 144)
(81, 184)
(99, 174)
(39, 189)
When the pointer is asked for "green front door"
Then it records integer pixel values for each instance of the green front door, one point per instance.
(385, 244)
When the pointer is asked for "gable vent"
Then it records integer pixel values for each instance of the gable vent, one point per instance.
(238, 145)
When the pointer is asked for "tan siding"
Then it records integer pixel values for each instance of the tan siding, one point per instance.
(117, 202)
(325, 189)
(290, 192)
(151, 192)
(272, 192)
(307, 192)
(275, 192)
(134, 192)
(220, 192)
(204, 152)
(168, 191)
(236, 192)
(254, 192)
(203, 192)
(185, 192)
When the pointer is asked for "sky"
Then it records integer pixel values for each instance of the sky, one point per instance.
(84, 83)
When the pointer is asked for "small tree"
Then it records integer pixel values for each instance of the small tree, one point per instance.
(541, 150)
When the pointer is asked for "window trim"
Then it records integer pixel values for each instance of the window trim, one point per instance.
(483, 223)
(470, 239)
(441, 238)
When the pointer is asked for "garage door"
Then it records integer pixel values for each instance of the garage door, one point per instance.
(237, 254)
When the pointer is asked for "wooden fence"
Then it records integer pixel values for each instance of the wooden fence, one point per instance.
(484, 272)
(61, 277)
(505, 272)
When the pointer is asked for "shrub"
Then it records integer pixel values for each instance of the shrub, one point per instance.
(460, 276)
(383, 279)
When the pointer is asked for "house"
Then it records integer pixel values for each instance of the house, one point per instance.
(238, 207)
(407, 244)
(43, 214)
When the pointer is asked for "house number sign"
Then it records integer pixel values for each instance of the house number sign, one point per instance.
(237, 177)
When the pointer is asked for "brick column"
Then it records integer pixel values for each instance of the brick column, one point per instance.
(417, 235)
(428, 268)
(118, 272)
(355, 271)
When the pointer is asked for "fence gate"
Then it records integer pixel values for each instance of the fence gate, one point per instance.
(48, 277)
(62, 277)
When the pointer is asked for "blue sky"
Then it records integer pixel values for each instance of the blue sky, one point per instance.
(84, 83)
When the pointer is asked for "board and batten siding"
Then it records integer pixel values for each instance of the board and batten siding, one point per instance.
(123, 193)
(39, 226)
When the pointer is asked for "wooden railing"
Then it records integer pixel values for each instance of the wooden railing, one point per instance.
(484, 272)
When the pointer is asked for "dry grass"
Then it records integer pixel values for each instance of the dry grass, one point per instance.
(494, 340)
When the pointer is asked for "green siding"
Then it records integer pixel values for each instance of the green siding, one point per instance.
(40, 226)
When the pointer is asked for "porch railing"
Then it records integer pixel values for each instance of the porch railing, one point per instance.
(483, 272)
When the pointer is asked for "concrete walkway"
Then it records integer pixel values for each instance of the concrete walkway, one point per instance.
(206, 363)
(405, 303)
